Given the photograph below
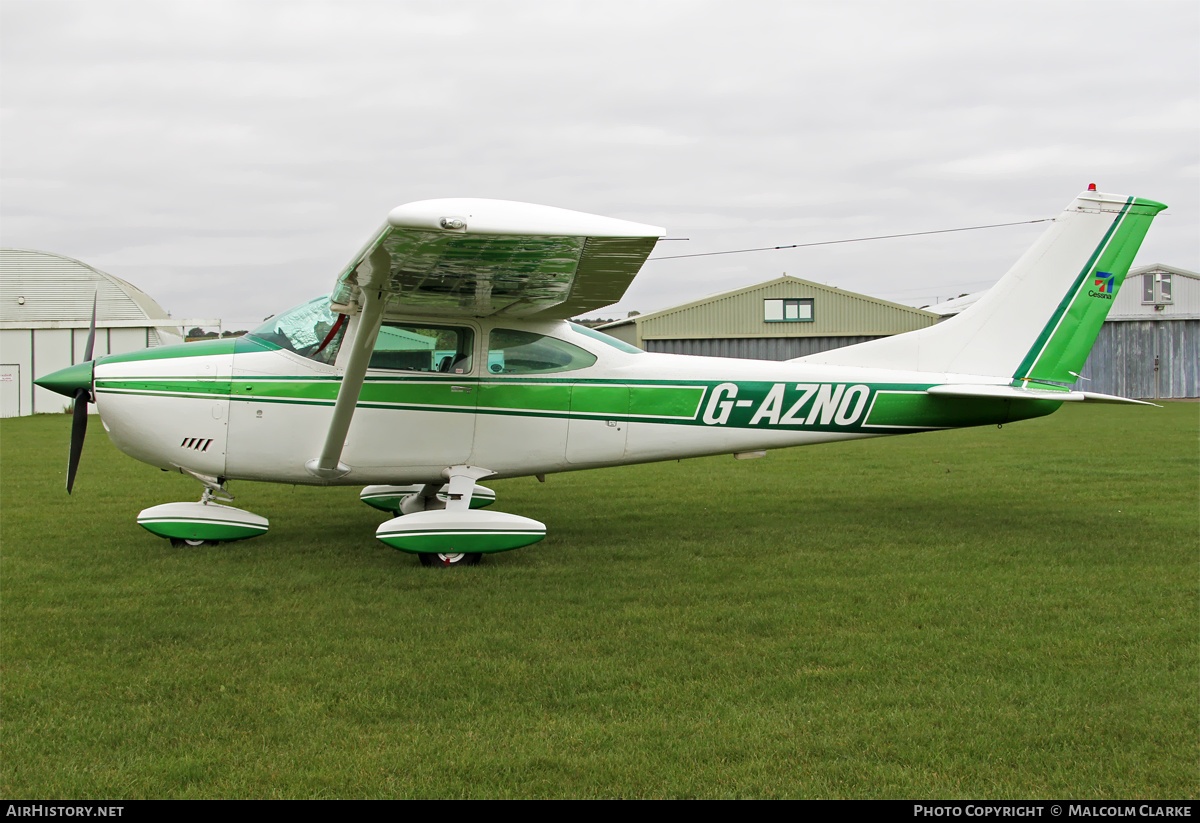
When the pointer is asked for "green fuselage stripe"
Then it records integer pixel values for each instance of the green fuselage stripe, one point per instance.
(826, 407)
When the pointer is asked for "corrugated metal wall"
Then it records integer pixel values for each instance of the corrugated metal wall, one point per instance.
(740, 314)
(40, 288)
(626, 333)
(754, 348)
(1122, 361)
(34, 353)
(58, 288)
(1185, 296)
(711, 324)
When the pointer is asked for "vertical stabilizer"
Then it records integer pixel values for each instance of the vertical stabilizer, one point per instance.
(1040, 320)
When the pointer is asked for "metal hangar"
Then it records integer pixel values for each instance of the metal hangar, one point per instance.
(777, 320)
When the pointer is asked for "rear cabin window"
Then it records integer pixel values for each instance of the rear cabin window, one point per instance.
(523, 352)
(405, 347)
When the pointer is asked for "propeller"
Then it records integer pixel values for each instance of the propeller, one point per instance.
(79, 416)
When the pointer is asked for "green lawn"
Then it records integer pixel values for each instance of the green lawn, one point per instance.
(984, 613)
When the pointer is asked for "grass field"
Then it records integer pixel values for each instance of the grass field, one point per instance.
(984, 613)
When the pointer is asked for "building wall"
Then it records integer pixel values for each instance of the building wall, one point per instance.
(754, 348)
(626, 333)
(44, 320)
(1123, 360)
(740, 314)
(27, 354)
(1185, 296)
(1147, 350)
(16, 362)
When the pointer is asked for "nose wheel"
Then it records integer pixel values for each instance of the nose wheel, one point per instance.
(460, 559)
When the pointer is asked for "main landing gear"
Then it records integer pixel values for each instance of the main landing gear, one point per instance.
(460, 559)
(181, 543)
(445, 525)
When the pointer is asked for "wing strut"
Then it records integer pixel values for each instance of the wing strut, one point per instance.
(329, 466)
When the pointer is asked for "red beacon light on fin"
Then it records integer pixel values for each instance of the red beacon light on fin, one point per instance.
(1091, 186)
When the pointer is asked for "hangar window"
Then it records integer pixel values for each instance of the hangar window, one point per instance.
(788, 310)
(1156, 288)
(523, 352)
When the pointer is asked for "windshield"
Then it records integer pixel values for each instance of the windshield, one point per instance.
(311, 330)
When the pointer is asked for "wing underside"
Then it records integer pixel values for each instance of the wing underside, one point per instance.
(480, 258)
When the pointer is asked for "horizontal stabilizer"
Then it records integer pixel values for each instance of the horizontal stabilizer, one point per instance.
(1020, 393)
(1096, 397)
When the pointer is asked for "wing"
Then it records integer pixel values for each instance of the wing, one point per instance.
(478, 258)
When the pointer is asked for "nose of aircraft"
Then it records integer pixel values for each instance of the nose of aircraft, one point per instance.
(74, 382)
(70, 380)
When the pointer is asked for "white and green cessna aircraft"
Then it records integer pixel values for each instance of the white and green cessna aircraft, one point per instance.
(444, 356)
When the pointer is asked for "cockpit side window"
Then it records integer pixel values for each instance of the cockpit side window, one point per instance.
(522, 352)
(311, 330)
(620, 345)
(407, 347)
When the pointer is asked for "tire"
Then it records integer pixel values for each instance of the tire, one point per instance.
(184, 543)
(443, 560)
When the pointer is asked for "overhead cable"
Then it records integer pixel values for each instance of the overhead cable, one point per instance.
(852, 240)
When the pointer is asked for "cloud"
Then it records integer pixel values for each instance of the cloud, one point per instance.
(254, 141)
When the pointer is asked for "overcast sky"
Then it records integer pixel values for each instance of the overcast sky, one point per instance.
(228, 158)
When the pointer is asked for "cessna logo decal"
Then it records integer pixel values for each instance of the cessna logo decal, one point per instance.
(806, 404)
(1104, 286)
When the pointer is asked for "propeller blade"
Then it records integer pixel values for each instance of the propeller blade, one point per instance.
(87, 352)
(83, 396)
(78, 431)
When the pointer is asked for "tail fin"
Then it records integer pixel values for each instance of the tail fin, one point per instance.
(1040, 320)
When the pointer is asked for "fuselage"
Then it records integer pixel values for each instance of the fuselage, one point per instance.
(249, 408)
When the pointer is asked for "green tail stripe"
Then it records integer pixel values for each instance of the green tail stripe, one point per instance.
(1032, 355)
(1065, 342)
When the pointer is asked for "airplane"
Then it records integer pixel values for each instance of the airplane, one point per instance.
(445, 355)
